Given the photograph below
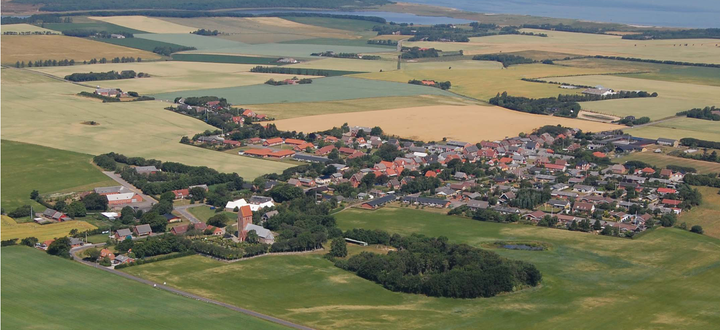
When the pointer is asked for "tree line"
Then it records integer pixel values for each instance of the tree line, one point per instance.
(548, 105)
(697, 143)
(633, 59)
(707, 113)
(168, 50)
(506, 59)
(675, 34)
(417, 52)
(437, 268)
(110, 75)
(296, 71)
(346, 55)
(203, 32)
(143, 8)
(295, 80)
(387, 42)
(444, 85)
(81, 33)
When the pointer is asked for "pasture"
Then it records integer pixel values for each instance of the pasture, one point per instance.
(652, 71)
(147, 24)
(662, 161)
(50, 114)
(28, 167)
(678, 128)
(58, 47)
(41, 291)
(12, 229)
(20, 28)
(672, 96)
(323, 89)
(584, 276)
(707, 214)
(433, 123)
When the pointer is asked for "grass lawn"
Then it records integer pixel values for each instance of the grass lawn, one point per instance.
(203, 213)
(41, 291)
(586, 279)
(28, 167)
(99, 238)
(663, 160)
(678, 128)
(12, 229)
(707, 214)
(48, 113)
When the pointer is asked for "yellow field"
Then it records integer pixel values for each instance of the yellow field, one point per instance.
(697, 51)
(678, 128)
(706, 215)
(12, 229)
(672, 96)
(47, 112)
(468, 123)
(143, 23)
(58, 47)
(256, 30)
(23, 28)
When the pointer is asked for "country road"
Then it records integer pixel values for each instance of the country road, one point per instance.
(73, 252)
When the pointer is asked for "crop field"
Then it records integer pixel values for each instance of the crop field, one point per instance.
(57, 47)
(233, 59)
(261, 30)
(172, 76)
(432, 123)
(347, 64)
(672, 96)
(678, 128)
(12, 229)
(27, 167)
(50, 114)
(335, 23)
(323, 89)
(696, 51)
(31, 275)
(147, 24)
(330, 42)
(652, 71)
(139, 43)
(596, 275)
(19, 28)
(707, 214)
(663, 160)
(301, 109)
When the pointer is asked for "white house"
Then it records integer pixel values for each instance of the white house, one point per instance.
(253, 206)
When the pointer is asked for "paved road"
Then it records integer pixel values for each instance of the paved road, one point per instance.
(183, 210)
(146, 199)
(182, 293)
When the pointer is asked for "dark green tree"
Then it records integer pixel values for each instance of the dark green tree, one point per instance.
(338, 248)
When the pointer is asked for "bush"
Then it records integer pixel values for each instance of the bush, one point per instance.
(697, 229)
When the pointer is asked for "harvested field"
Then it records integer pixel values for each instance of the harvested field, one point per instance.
(147, 24)
(260, 30)
(58, 47)
(50, 114)
(12, 229)
(323, 89)
(19, 28)
(662, 160)
(425, 123)
(678, 128)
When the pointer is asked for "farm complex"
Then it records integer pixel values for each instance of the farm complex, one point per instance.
(355, 165)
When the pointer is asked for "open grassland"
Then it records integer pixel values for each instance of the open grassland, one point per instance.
(584, 277)
(696, 51)
(27, 167)
(19, 28)
(261, 30)
(663, 160)
(678, 128)
(12, 229)
(41, 291)
(323, 89)
(707, 214)
(50, 114)
(172, 76)
(484, 79)
(147, 24)
(652, 71)
(432, 123)
(672, 96)
(57, 47)
(302, 109)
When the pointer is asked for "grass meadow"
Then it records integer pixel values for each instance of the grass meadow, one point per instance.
(41, 291)
(225, 59)
(663, 160)
(707, 214)
(652, 71)
(47, 112)
(678, 128)
(12, 229)
(589, 281)
(58, 47)
(20, 28)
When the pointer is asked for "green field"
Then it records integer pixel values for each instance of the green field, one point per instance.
(225, 59)
(27, 167)
(47, 112)
(138, 43)
(586, 280)
(329, 42)
(324, 89)
(335, 23)
(203, 213)
(678, 128)
(20, 28)
(41, 291)
(707, 214)
(662, 160)
(91, 25)
(652, 71)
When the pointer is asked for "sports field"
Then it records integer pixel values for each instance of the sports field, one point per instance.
(323, 89)
(678, 128)
(12, 229)
(58, 47)
(663, 160)
(707, 214)
(19, 28)
(432, 123)
(672, 96)
(76, 296)
(583, 276)
(142, 129)
(147, 24)
(28, 167)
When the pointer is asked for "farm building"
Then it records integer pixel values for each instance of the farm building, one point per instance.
(122, 199)
(378, 202)
(110, 190)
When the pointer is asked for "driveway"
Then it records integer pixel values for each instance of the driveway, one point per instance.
(183, 210)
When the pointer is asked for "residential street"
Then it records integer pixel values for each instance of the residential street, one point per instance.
(183, 210)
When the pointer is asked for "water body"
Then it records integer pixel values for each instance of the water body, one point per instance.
(389, 16)
(686, 13)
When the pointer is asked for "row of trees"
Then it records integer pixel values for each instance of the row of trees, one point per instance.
(289, 70)
(444, 85)
(387, 42)
(676, 34)
(633, 59)
(82, 33)
(417, 52)
(168, 50)
(707, 113)
(208, 32)
(548, 105)
(295, 80)
(506, 59)
(697, 143)
(193, 9)
(346, 55)
(110, 75)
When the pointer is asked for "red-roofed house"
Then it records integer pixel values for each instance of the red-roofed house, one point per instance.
(599, 154)
(238, 119)
(281, 154)
(666, 191)
(555, 167)
(181, 193)
(294, 141)
(248, 113)
(258, 152)
(304, 146)
(273, 142)
(671, 202)
(324, 150)
(347, 151)
(431, 174)
(232, 143)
